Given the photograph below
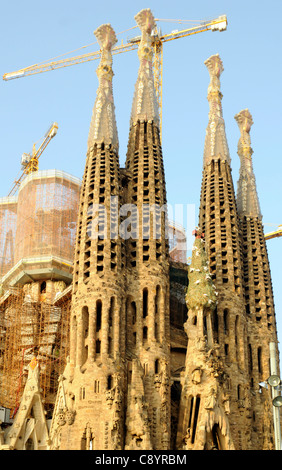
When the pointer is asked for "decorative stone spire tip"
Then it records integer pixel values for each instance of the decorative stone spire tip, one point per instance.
(245, 121)
(145, 105)
(106, 36)
(145, 21)
(216, 146)
(247, 197)
(214, 65)
(103, 128)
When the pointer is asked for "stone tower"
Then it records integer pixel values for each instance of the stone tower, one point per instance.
(147, 303)
(258, 287)
(90, 403)
(115, 392)
(205, 398)
(218, 219)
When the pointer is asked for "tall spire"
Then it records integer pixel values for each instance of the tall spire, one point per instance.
(259, 301)
(96, 337)
(216, 143)
(247, 198)
(147, 266)
(145, 105)
(219, 221)
(218, 214)
(205, 398)
(103, 126)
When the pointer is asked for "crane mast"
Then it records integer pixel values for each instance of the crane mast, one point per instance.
(29, 161)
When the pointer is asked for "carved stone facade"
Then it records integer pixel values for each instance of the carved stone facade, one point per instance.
(259, 302)
(147, 265)
(244, 320)
(120, 303)
(94, 379)
(205, 396)
(164, 355)
(29, 430)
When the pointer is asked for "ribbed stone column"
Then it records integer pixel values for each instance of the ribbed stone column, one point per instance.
(147, 249)
(218, 219)
(261, 324)
(95, 384)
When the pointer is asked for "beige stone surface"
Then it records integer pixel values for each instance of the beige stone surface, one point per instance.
(162, 355)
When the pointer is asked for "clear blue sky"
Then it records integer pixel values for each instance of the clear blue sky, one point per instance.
(35, 31)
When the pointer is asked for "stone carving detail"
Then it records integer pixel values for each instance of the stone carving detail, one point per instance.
(158, 380)
(216, 142)
(103, 124)
(115, 402)
(110, 394)
(211, 398)
(226, 401)
(204, 378)
(139, 430)
(70, 416)
(247, 198)
(145, 106)
(197, 376)
(137, 420)
(61, 418)
(165, 418)
(65, 416)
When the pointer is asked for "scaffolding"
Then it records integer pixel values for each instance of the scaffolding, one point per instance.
(29, 329)
(8, 220)
(47, 215)
(37, 238)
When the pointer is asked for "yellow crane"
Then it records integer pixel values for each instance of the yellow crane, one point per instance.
(217, 24)
(277, 233)
(29, 161)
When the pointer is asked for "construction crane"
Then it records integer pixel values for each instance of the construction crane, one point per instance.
(29, 161)
(218, 24)
(277, 233)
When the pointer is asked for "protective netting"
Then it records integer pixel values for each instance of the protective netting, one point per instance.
(41, 222)
(37, 226)
(47, 215)
(8, 219)
(29, 329)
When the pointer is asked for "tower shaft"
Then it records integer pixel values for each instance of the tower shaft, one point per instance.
(219, 221)
(259, 300)
(205, 398)
(94, 378)
(147, 256)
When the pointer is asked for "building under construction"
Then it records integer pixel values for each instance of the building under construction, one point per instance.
(37, 244)
(37, 247)
(136, 348)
